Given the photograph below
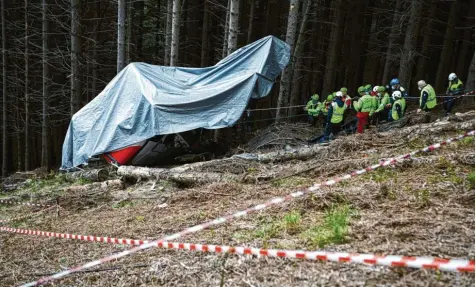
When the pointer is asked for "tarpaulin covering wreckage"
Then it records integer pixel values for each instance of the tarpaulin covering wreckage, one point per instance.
(144, 101)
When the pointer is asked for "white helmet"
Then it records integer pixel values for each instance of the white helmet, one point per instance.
(339, 94)
(421, 84)
(396, 95)
(375, 89)
(452, 76)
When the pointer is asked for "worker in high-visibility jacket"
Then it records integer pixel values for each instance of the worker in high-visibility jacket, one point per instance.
(360, 91)
(325, 108)
(395, 86)
(313, 108)
(398, 107)
(346, 98)
(384, 104)
(427, 96)
(367, 89)
(335, 116)
(455, 88)
(364, 106)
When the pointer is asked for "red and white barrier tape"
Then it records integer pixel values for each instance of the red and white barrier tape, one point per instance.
(453, 265)
(13, 202)
(242, 213)
(26, 216)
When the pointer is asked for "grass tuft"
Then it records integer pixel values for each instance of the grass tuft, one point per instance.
(471, 179)
(333, 231)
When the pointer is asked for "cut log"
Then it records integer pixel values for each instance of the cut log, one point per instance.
(103, 186)
(184, 176)
(96, 175)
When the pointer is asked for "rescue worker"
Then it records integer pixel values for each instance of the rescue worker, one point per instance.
(368, 89)
(375, 104)
(384, 103)
(335, 117)
(364, 106)
(395, 86)
(346, 98)
(455, 88)
(325, 108)
(398, 107)
(313, 109)
(360, 91)
(427, 96)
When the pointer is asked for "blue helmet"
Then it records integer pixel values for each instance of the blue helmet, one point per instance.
(394, 82)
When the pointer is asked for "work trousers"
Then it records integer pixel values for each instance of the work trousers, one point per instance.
(363, 119)
(448, 104)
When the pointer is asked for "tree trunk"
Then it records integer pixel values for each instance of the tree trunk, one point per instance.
(287, 73)
(27, 95)
(447, 50)
(409, 52)
(227, 30)
(75, 56)
(5, 90)
(206, 17)
(228, 40)
(425, 50)
(121, 35)
(18, 133)
(250, 23)
(130, 41)
(140, 32)
(234, 26)
(92, 175)
(175, 33)
(466, 42)
(333, 48)
(45, 163)
(157, 32)
(95, 50)
(470, 78)
(357, 45)
(187, 177)
(392, 39)
(168, 33)
(298, 60)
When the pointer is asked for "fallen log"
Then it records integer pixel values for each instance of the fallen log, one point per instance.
(96, 175)
(103, 186)
(184, 176)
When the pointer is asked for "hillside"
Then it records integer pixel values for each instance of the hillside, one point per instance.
(421, 206)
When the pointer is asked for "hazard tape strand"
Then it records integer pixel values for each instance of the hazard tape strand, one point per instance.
(242, 213)
(453, 265)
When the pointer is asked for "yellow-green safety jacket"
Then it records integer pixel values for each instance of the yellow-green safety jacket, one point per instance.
(366, 104)
(313, 109)
(402, 103)
(431, 100)
(455, 88)
(337, 113)
(384, 100)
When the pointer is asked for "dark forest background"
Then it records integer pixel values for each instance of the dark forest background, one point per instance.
(57, 55)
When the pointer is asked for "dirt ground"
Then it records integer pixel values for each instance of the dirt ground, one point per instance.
(421, 207)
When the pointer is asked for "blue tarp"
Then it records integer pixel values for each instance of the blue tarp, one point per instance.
(144, 100)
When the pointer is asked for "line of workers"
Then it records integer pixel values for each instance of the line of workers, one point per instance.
(376, 104)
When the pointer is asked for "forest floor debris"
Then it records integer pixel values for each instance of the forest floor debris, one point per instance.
(421, 207)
